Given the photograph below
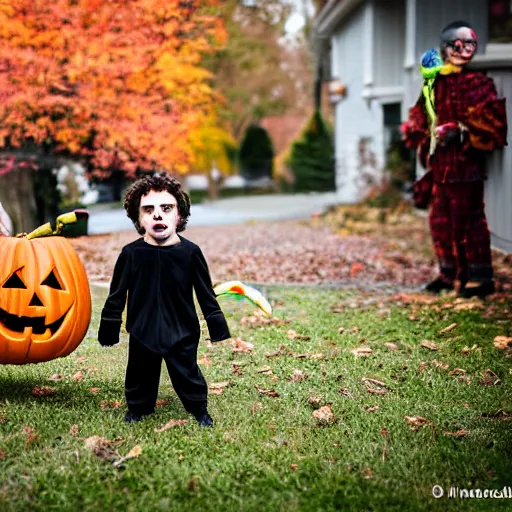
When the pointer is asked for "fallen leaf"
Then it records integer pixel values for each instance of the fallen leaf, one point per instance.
(79, 375)
(466, 350)
(315, 401)
(297, 376)
(114, 404)
(255, 407)
(367, 473)
(374, 382)
(489, 378)
(346, 392)
(219, 385)
(281, 350)
(372, 408)
(308, 355)
(3, 455)
(94, 390)
(324, 415)
(74, 430)
(431, 345)
(205, 361)
(422, 367)
(31, 435)
(241, 346)
(294, 467)
(265, 370)
(458, 371)
(56, 377)
(459, 433)
(417, 422)
(134, 452)
(80, 359)
(391, 346)
(101, 447)
(43, 391)
(465, 378)
(215, 391)
(443, 366)
(171, 424)
(237, 370)
(448, 329)
(162, 402)
(362, 351)
(467, 306)
(292, 335)
(502, 342)
(500, 414)
(267, 392)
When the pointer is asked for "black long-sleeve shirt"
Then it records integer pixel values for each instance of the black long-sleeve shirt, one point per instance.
(159, 282)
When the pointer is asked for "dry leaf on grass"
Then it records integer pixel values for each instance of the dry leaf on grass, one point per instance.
(417, 422)
(241, 346)
(500, 414)
(94, 390)
(280, 351)
(431, 345)
(56, 377)
(362, 351)
(80, 359)
(308, 355)
(459, 433)
(43, 391)
(294, 467)
(346, 392)
(237, 370)
(162, 402)
(265, 370)
(467, 350)
(458, 371)
(79, 375)
(74, 430)
(114, 404)
(448, 329)
(102, 447)
(438, 364)
(31, 435)
(489, 378)
(171, 424)
(374, 386)
(391, 346)
(217, 388)
(134, 452)
(315, 401)
(297, 376)
(292, 335)
(3, 455)
(205, 361)
(324, 415)
(267, 392)
(371, 408)
(502, 342)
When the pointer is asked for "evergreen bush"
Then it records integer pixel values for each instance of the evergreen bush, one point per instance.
(312, 158)
(256, 153)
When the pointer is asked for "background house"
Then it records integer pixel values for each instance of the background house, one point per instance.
(375, 48)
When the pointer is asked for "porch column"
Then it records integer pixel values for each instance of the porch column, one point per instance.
(410, 34)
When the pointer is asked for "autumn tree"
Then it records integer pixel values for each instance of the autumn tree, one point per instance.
(258, 71)
(117, 83)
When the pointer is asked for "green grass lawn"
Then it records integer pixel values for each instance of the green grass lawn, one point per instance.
(268, 452)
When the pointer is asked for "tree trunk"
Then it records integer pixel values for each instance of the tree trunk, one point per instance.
(17, 197)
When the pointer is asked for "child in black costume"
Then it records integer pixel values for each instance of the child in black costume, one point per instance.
(158, 273)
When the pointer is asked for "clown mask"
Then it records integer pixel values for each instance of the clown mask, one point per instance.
(459, 45)
(159, 216)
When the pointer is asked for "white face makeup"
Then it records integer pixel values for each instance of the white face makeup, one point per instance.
(158, 215)
(462, 46)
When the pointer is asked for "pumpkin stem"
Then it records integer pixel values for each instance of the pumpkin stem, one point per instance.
(61, 221)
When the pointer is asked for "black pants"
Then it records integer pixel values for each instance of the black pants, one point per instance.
(143, 376)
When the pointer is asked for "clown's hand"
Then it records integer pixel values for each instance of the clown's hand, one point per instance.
(108, 333)
(447, 133)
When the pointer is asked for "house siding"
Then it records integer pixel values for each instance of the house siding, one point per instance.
(356, 119)
(389, 43)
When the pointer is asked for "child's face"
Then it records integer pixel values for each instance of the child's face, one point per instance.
(158, 215)
(462, 46)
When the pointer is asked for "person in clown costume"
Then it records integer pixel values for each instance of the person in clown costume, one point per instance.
(456, 123)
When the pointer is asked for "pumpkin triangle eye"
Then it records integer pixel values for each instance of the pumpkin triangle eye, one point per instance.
(52, 281)
(14, 282)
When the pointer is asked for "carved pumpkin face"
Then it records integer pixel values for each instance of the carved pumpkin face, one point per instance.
(45, 301)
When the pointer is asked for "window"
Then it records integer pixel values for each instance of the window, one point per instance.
(500, 21)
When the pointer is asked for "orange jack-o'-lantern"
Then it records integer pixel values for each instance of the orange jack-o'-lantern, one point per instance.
(45, 301)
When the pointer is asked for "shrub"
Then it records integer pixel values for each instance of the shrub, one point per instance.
(256, 153)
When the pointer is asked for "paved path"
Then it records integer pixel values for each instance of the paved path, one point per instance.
(235, 210)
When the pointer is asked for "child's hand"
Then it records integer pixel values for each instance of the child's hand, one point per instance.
(447, 133)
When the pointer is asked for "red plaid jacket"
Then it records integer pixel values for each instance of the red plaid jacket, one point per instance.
(471, 99)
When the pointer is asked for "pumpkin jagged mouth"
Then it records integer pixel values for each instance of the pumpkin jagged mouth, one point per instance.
(20, 323)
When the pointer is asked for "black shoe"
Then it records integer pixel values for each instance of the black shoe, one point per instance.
(484, 289)
(131, 417)
(204, 419)
(438, 285)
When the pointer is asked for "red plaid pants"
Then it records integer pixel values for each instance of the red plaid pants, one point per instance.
(459, 231)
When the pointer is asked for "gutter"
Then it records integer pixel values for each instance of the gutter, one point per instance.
(332, 14)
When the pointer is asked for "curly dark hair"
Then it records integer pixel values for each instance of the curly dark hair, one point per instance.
(159, 182)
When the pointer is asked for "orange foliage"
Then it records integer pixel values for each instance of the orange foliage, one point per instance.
(118, 82)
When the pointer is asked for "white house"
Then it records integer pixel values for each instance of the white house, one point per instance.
(376, 47)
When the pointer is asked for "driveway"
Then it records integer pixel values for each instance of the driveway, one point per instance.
(235, 210)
